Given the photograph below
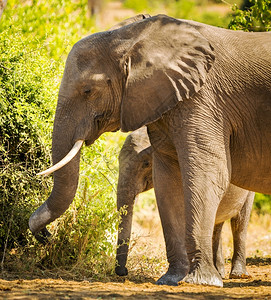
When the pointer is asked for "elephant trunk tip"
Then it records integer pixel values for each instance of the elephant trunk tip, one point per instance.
(43, 236)
(37, 222)
(121, 271)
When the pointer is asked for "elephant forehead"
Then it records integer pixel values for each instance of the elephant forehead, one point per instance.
(84, 68)
(85, 61)
(98, 77)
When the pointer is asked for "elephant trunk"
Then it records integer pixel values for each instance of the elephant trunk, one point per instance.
(124, 198)
(65, 184)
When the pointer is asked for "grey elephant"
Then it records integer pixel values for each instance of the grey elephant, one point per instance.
(204, 94)
(135, 177)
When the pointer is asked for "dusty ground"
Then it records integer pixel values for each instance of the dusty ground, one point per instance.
(147, 262)
(259, 287)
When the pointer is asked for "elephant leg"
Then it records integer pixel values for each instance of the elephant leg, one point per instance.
(169, 196)
(200, 220)
(217, 250)
(239, 225)
(206, 175)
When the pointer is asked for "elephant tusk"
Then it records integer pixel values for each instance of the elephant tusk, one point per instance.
(76, 147)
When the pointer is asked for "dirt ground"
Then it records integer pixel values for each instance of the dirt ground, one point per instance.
(147, 262)
(258, 287)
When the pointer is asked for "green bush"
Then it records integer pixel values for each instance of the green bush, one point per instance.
(35, 39)
(26, 114)
(55, 24)
(256, 18)
(137, 5)
(262, 204)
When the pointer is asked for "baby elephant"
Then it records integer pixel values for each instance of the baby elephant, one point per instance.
(135, 176)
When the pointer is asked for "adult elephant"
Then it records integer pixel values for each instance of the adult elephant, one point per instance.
(205, 95)
(135, 177)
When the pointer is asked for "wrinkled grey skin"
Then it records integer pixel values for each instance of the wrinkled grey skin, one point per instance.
(204, 94)
(135, 177)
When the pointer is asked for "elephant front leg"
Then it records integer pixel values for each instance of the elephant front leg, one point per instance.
(205, 179)
(169, 196)
(239, 230)
(200, 217)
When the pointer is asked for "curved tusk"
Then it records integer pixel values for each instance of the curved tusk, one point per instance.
(76, 147)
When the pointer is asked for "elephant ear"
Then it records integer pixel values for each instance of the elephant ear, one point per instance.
(167, 63)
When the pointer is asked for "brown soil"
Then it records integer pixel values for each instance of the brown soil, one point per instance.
(147, 262)
(259, 287)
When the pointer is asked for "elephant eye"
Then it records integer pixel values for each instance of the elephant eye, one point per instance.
(87, 91)
(146, 164)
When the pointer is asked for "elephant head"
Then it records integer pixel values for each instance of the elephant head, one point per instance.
(123, 78)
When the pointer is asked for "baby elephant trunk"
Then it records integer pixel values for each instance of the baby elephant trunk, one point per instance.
(125, 203)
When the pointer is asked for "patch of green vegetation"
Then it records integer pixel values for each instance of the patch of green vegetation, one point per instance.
(255, 18)
(137, 5)
(262, 203)
(35, 39)
(26, 113)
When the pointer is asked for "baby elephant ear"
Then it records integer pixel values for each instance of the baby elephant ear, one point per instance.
(167, 63)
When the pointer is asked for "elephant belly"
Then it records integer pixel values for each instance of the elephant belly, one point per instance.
(251, 153)
(253, 173)
(231, 204)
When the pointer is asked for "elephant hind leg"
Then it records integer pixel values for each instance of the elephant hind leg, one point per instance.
(239, 230)
(217, 250)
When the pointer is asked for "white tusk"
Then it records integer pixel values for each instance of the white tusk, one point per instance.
(76, 147)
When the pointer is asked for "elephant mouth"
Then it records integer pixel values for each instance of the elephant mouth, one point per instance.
(149, 184)
(115, 130)
(90, 139)
(89, 142)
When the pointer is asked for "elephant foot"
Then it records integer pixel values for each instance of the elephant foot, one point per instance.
(43, 236)
(171, 278)
(206, 275)
(239, 271)
(121, 271)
